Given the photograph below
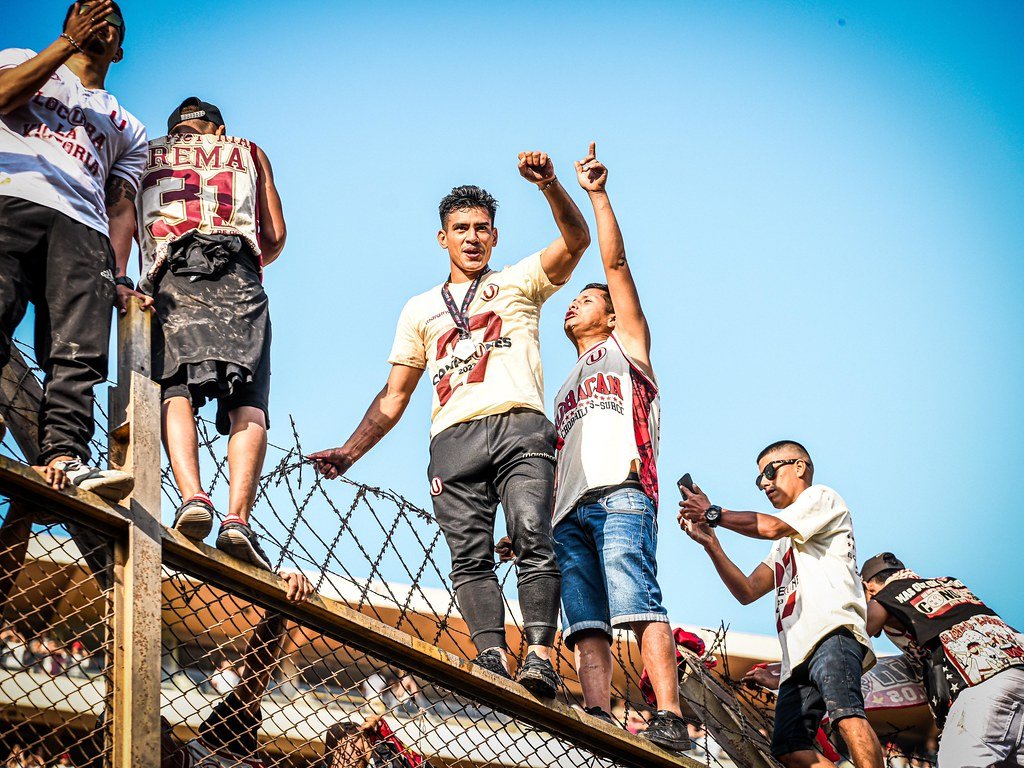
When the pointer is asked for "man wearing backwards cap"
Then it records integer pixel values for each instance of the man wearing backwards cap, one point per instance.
(71, 159)
(971, 661)
(210, 219)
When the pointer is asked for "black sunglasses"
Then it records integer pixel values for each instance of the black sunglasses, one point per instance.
(773, 469)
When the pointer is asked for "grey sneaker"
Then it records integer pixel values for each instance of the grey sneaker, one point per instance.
(111, 484)
(238, 540)
(668, 731)
(539, 677)
(194, 518)
(491, 661)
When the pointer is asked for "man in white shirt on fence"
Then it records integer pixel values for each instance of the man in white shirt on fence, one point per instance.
(821, 613)
(70, 160)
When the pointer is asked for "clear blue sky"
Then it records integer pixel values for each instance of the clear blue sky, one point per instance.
(821, 202)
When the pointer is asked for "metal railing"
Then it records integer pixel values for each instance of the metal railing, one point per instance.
(373, 665)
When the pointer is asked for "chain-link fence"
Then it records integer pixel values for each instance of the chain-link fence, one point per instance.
(56, 634)
(233, 668)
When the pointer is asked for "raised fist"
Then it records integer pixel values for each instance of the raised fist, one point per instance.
(536, 167)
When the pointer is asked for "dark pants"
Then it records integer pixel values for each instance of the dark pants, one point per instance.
(66, 270)
(828, 681)
(474, 465)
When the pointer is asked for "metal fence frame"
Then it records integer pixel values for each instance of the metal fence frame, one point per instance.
(142, 546)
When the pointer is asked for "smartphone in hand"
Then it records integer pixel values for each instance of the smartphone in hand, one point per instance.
(685, 485)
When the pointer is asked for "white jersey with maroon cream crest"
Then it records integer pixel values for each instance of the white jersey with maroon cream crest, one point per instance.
(607, 415)
(196, 183)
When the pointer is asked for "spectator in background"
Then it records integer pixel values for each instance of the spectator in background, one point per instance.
(56, 660)
(406, 692)
(225, 679)
(229, 735)
(65, 761)
(821, 616)
(973, 662)
(79, 660)
(14, 652)
(372, 744)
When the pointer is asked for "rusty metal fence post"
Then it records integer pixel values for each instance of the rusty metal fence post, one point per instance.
(135, 447)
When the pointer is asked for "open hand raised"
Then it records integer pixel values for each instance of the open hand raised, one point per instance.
(86, 21)
(590, 172)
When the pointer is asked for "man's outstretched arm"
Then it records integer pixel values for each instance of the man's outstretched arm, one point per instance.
(630, 323)
(744, 588)
(18, 84)
(755, 525)
(561, 257)
(382, 415)
(265, 644)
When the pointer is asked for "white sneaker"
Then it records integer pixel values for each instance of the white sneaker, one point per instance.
(111, 484)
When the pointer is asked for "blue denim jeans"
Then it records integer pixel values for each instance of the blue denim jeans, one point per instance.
(606, 552)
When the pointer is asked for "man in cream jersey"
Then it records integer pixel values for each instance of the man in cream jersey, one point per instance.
(821, 612)
(70, 159)
(490, 442)
(606, 491)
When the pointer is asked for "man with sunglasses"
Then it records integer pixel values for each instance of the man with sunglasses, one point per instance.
(821, 613)
(72, 157)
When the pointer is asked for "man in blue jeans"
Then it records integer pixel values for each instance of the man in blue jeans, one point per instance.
(821, 613)
(606, 487)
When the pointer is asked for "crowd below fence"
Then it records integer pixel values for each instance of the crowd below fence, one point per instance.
(47, 655)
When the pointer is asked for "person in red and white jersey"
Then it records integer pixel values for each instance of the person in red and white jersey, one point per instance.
(228, 736)
(70, 160)
(478, 334)
(606, 490)
(210, 219)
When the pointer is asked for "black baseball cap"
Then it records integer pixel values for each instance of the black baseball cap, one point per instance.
(886, 561)
(193, 108)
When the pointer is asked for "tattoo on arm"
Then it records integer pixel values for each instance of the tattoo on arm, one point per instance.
(118, 189)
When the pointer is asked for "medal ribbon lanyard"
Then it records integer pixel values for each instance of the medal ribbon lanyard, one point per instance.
(460, 314)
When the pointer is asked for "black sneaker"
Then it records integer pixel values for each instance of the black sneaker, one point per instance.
(539, 677)
(668, 731)
(238, 540)
(194, 518)
(601, 714)
(491, 661)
